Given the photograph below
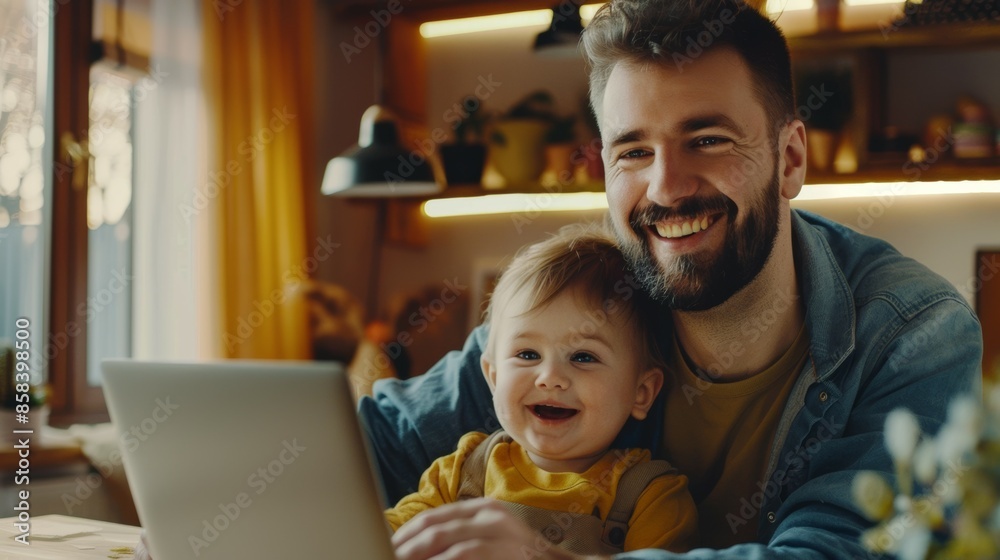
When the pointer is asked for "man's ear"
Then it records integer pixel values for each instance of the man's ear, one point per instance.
(489, 372)
(792, 159)
(650, 383)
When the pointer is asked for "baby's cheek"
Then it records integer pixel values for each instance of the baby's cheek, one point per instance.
(505, 411)
(502, 407)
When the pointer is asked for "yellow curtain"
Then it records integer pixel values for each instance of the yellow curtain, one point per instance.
(258, 79)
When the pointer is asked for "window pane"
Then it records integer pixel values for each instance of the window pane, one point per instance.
(109, 217)
(25, 176)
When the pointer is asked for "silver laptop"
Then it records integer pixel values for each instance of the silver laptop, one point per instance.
(246, 459)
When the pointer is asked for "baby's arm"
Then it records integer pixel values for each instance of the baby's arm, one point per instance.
(665, 517)
(438, 485)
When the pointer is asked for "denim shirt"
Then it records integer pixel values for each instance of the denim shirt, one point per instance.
(885, 332)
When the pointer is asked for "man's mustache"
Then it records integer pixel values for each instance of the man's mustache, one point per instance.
(687, 209)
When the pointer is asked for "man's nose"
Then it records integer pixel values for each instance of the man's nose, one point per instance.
(669, 179)
(551, 375)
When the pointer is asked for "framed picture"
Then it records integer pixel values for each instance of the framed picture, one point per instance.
(988, 309)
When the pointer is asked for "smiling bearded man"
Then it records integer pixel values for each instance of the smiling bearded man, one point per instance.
(699, 281)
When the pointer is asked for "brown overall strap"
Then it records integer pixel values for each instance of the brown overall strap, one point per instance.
(630, 486)
(578, 532)
(473, 482)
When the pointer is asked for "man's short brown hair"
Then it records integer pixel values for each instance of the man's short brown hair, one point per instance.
(676, 32)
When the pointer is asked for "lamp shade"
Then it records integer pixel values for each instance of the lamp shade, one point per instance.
(378, 166)
(562, 38)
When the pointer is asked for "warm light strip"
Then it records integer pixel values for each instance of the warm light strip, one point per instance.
(513, 203)
(485, 23)
(529, 204)
(871, 2)
(534, 18)
(902, 188)
(779, 6)
(587, 12)
(512, 20)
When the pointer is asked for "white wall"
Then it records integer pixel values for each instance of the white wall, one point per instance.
(943, 232)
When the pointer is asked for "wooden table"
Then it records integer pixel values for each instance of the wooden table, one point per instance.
(61, 536)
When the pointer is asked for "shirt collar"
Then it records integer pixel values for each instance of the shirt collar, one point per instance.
(828, 299)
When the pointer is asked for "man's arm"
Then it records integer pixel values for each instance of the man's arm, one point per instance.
(933, 358)
(411, 423)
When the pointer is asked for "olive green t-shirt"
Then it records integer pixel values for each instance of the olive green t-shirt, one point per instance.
(720, 434)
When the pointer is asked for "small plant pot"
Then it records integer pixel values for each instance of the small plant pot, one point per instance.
(517, 149)
(463, 163)
(559, 162)
(822, 146)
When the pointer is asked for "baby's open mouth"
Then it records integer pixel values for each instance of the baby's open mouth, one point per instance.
(549, 412)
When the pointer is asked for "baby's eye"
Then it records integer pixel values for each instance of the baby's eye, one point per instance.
(584, 357)
(528, 355)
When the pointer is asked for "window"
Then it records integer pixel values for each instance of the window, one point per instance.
(66, 178)
(25, 170)
(108, 309)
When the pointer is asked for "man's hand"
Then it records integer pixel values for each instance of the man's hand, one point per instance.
(479, 529)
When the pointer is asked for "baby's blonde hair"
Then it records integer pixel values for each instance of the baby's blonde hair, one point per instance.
(585, 258)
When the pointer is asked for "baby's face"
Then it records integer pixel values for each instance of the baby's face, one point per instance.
(565, 378)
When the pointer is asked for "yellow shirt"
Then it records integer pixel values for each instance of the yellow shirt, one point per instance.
(720, 436)
(664, 516)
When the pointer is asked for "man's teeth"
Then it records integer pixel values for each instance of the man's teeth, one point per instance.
(682, 229)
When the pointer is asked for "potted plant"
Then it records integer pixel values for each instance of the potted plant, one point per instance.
(825, 104)
(16, 412)
(465, 159)
(517, 140)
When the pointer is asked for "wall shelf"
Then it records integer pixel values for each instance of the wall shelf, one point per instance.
(902, 171)
(922, 37)
(462, 191)
(886, 172)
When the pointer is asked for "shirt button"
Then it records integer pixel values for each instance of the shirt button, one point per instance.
(823, 396)
(770, 517)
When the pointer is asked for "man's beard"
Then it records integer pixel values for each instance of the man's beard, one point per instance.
(696, 282)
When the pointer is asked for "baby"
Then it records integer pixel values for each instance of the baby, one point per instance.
(571, 356)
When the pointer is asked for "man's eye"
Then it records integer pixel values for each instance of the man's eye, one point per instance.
(710, 141)
(528, 355)
(632, 154)
(584, 357)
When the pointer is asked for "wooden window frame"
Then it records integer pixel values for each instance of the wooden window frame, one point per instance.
(72, 399)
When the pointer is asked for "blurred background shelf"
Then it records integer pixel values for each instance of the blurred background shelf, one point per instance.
(952, 35)
(901, 170)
